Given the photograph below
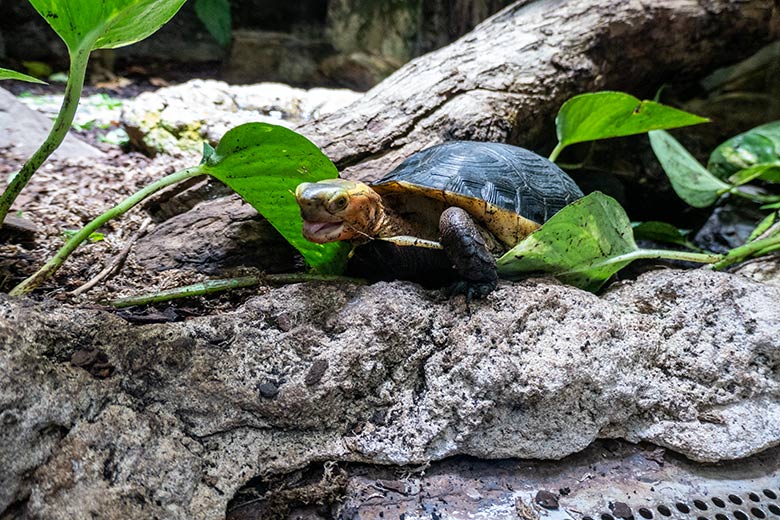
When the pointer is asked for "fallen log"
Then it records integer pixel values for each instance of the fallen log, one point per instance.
(506, 79)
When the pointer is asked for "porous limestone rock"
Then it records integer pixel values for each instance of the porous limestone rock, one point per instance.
(183, 116)
(103, 417)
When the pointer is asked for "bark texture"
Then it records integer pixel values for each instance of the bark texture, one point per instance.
(504, 80)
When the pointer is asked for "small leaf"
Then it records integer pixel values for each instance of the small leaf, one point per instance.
(12, 74)
(756, 146)
(105, 24)
(208, 152)
(215, 15)
(584, 244)
(763, 226)
(93, 237)
(690, 180)
(601, 115)
(264, 164)
(769, 172)
(661, 232)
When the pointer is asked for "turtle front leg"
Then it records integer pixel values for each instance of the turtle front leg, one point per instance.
(468, 252)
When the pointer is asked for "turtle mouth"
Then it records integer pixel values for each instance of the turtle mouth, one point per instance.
(322, 232)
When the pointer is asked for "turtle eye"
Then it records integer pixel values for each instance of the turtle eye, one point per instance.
(339, 202)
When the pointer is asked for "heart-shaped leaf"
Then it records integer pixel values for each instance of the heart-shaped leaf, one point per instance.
(756, 146)
(87, 25)
(601, 115)
(264, 164)
(215, 15)
(583, 244)
(690, 180)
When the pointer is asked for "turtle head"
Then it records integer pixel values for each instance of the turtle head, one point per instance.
(338, 209)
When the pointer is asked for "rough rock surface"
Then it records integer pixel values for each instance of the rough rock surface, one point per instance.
(23, 130)
(182, 116)
(101, 417)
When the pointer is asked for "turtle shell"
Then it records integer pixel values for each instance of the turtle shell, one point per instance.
(511, 190)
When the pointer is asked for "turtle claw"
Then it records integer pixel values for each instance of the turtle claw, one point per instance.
(471, 289)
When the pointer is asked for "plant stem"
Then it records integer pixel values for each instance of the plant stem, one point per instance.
(212, 286)
(70, 102)
(755, 197)
(52, 265)
(687, 256)
(738, 254)
(556, 151)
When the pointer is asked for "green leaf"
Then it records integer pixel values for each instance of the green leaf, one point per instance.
(601, 115)
(661, 232)
(574, 244)
(86, 25)
(12, 74)
(215, 15)
(93, 237)
(769, 172)
(264, 164)
(756, 146)
(763, 226)
(690, 180)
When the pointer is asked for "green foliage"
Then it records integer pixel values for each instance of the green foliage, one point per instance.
(93, 237)
(583, 245)
(574, 243)
(758, 145)
(107, 24)
(85, 26)
(662, 232)
(763, 226)
(264, 164)
(215, 15)
(690, 180)
(12, 74)
(768, 172)
(601, 115)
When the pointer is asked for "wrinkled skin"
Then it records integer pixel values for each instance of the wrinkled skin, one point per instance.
(339, 209)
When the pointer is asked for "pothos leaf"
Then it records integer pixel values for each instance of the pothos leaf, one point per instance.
(264, 164)
(690, 180)
(583, 245)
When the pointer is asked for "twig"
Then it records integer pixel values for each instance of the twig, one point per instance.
(116, 262)
(51, 267)
(212, 286)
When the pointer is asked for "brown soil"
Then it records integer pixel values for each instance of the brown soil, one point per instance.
(67, 194)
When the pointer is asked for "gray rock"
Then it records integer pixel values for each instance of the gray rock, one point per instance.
(178, 118)
(275, 56)
(171, 423)
(24, 130)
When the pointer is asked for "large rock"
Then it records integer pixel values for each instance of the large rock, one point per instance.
(108, 419)
(23, 130)
(181, 117)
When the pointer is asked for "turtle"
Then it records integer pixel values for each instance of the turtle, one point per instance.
(442, 216)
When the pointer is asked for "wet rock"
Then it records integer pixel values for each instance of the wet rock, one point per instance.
(685, 360)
